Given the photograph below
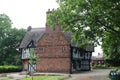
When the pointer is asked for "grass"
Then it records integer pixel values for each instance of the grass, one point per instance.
(45, 78)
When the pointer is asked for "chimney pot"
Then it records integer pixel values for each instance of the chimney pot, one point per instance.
(29, 28)
(48, 11)
(57, 28)
(48, 29)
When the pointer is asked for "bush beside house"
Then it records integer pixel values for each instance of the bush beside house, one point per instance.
(100, 66)
(5, 69)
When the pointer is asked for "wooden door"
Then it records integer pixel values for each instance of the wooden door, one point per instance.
(25, 64)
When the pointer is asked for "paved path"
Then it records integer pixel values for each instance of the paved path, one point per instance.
(16, 76)
(96, 74)
(12, 76)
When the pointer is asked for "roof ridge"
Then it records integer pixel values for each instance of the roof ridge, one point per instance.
(39, 28)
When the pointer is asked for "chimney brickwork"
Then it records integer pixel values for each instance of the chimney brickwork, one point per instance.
(55, 56)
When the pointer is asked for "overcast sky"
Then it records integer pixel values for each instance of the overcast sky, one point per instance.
(24, 13)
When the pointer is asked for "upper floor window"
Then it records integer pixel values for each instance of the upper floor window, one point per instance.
(74, 50)
(41, 49)
(25, 53)
(63, 49)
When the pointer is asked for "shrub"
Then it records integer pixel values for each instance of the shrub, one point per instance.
(102, 66)
(5, 69)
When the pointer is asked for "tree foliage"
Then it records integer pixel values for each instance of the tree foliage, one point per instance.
(88, 19)
(91, 21)
(33, 57)
(5, 24)
(111, 48)
(10, 39)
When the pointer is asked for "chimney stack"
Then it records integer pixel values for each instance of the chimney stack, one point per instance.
(29, 28)
(48, 11)
(48, 29)
(57, 28)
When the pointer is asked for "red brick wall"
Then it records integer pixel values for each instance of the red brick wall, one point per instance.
(55, 56)
(52, 45)
(54, 65)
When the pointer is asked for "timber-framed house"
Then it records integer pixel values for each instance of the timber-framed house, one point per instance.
(56, 51)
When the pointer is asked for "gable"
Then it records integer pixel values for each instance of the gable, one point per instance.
(53, 45)
(33, 35)
(56, 37)
(31, 44)
(53, 39)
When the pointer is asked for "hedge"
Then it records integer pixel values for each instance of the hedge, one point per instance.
(5, 69)
(100, 66)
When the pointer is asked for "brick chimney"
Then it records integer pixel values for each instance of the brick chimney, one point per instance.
(48, 29)
(29, 28)
(57, 28)
(48, 12)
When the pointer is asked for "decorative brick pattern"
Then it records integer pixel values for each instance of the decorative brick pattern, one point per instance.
(53, 58)
(54, 65)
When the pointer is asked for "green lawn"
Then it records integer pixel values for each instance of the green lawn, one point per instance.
(45, 78)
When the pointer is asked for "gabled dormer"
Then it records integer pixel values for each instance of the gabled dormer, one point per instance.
(29, 41)
(31, 44)
(26, 51)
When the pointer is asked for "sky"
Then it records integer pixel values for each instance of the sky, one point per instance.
(97, 50)
(24, 13)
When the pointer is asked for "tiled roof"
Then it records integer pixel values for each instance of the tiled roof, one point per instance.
(97, 58)
(34, 34)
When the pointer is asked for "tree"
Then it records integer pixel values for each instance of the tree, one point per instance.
(33, 58)
(91, 21)
(111, 47)
(8, 52)
(10, 39)
(11, 42)
(88, 19)
(5, 24)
